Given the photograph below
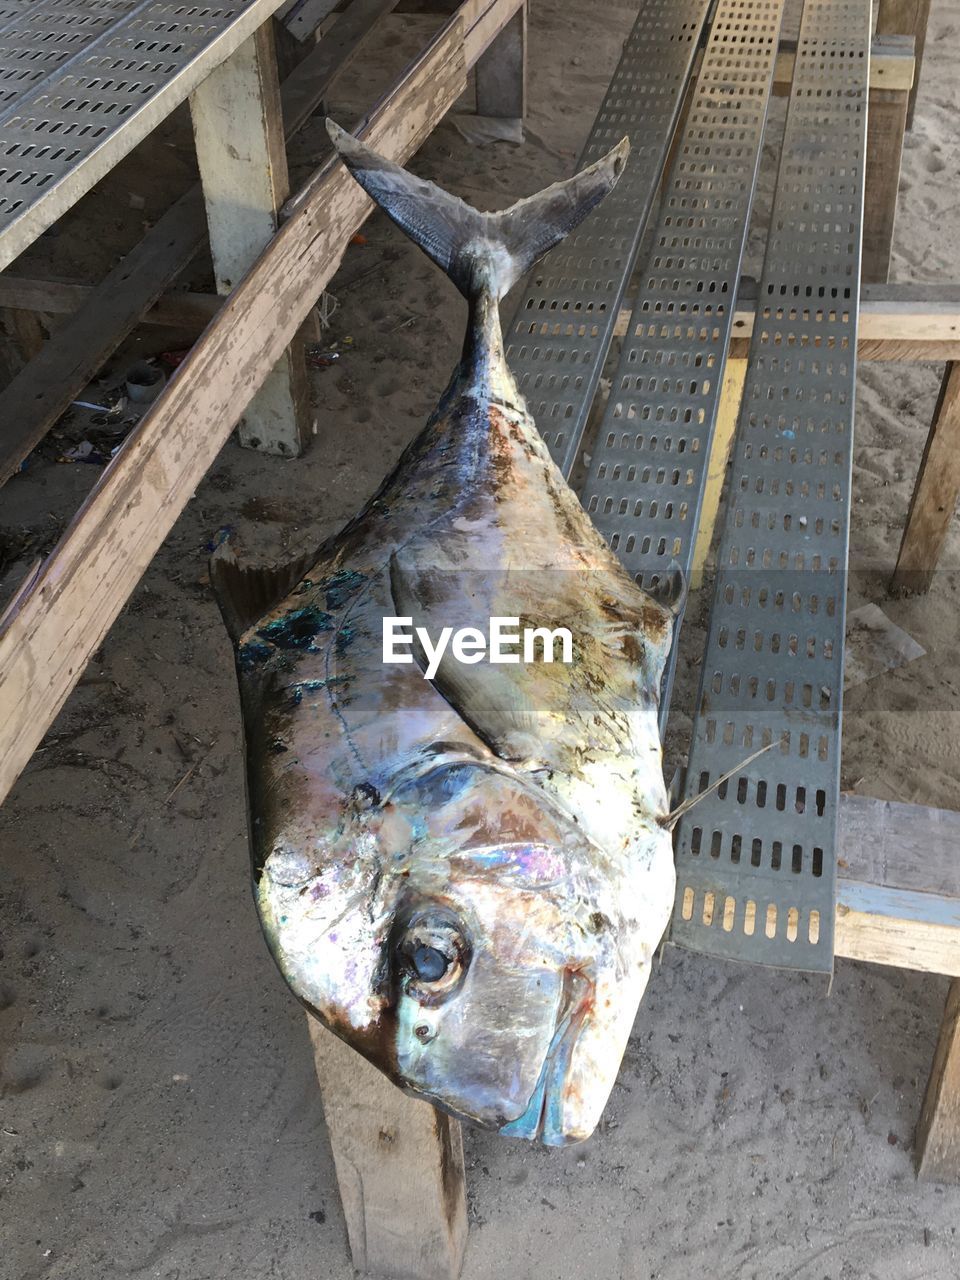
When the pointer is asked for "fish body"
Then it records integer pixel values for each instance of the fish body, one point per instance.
(464, 877)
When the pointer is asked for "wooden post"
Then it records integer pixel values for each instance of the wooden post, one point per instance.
(935, 493)
(938, 1133)
(238, 129)
(502, 72)
(399, 1168)
(886, 120)
(906, 18)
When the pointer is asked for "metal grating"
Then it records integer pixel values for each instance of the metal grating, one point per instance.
(82, 83)
(756, 860)
(559, 337)
(37, 38)
(648, 468)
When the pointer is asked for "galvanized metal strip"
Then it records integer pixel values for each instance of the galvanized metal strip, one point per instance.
(61, 133)
(648, 469)
(559, 337)
(756, 860)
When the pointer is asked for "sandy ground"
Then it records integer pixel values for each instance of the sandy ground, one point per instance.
(159, 1116)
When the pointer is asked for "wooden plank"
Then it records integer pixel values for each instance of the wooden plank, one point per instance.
(501, 73)
(890, 67)
(897, 322)
(177, 309)
(728, 411)
(906, 18)
(238, 130)
(938, 1132)
(900, 846)
(399, 1168)
(62, 616)
(34, 401)
(886, 121)
(897, 927)
(935, 493)
(898, 894)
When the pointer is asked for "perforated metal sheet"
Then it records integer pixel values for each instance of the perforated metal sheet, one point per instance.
(648, 468)
(82, 83)
(559, 337)
(756, 860)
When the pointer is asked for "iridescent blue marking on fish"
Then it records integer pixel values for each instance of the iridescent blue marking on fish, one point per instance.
(297, 629)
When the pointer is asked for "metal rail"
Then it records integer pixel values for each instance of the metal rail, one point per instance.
(560, 335)
(756, 860)
(647, 474)
(81, 83)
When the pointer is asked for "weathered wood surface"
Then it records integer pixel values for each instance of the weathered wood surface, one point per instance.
(886, 121)
(890, 68)
(399, 1168)
(175, 309)
(938, 1132)
(936, 492)
(898, 893)
(728, 412)
(62, 616)
(35, 399)
(897, 322)
(906, 18)
(242, 156)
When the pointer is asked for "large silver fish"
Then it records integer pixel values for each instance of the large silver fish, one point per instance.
(464, 877)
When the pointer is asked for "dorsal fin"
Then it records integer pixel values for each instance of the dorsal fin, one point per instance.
(246, 592)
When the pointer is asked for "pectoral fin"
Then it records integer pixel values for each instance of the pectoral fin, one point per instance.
(494, 700)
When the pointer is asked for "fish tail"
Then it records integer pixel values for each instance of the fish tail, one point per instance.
(480, 252)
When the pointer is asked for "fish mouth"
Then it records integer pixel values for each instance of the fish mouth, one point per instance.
(543, 1118)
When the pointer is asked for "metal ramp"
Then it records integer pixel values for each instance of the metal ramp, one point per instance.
(648, 469)
(756, 860)
(558, 339)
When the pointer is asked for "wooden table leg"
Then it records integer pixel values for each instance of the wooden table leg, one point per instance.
(906, 18)
(399, 1168)
(886, 120)
(938, 1133)
(936, 492)
(238, 129)
(502, 72)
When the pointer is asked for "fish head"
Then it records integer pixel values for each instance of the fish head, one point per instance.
(471, 941)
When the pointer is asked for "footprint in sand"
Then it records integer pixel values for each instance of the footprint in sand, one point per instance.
(934, 164)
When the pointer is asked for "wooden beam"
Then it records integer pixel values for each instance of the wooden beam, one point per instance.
(935, 493)
(898, 893)
(886, 121)
(897, 322)
(177, 309)
(36, 398)
(906, 18)
(501, 74)
(728, 411)
(62, 615)
(238, 130)
(938, 1132)
(890, 67)
(399, 1168)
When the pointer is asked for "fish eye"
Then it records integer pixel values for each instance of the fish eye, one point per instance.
(430, 963)
(432, 955)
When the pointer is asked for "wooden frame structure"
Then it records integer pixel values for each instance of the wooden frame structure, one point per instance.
(399, 1163)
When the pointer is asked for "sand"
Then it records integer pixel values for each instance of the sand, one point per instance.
(159, 1116)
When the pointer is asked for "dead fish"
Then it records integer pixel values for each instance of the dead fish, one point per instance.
(464, 877)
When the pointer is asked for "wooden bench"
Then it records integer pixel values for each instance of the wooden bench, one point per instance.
(399, 1163)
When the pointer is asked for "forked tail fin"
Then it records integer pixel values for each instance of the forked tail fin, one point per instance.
(479, 251)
